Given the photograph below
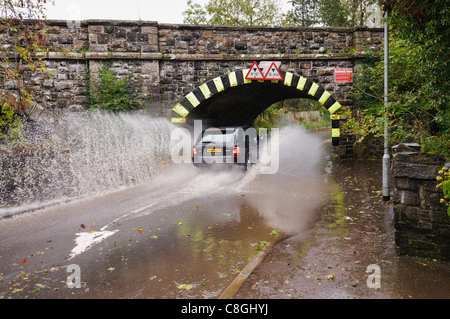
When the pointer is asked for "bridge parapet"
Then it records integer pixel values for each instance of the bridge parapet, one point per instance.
(166, 61)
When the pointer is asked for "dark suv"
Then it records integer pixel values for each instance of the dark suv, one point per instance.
(226, 145)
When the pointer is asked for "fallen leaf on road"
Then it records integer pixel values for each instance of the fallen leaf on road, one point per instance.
(83, 226)
(154, 237)
(17, 290)
(140, 230)
(183, 286)
(110, 268)
(24, 261)
(180, 223)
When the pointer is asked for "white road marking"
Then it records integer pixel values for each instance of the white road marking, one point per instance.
(133, 212)
(86, 240)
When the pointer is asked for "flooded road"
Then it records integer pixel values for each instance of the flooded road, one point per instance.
(187, 234)
(190, 232)
(338, 255)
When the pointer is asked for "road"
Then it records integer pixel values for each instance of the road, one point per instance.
(185, 234)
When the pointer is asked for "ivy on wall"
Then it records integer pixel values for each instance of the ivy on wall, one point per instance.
(110, 93)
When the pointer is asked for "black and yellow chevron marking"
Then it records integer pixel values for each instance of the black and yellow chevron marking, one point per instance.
(335, 133)
(221, 83)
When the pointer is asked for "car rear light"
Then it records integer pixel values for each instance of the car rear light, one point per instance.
(236, 151)
(194, 152)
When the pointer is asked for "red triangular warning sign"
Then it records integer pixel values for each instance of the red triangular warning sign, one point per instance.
(254, 73)
(273, 73)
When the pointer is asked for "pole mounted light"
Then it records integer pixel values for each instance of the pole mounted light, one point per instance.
(386, 158)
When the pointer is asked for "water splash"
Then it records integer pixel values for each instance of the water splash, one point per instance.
(83, 154)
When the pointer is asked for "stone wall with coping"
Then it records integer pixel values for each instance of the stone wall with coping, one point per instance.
(421, 223)
(194, 39)
(170, 60)
(151, 36)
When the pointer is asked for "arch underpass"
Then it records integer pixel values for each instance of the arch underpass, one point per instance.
(232, 100)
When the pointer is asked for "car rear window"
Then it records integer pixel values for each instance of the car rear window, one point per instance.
(217, 138)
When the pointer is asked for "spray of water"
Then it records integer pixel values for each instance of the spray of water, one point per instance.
(290, 199)
(83, 154)
(89, 154)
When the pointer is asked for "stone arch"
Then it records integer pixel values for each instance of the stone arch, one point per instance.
(218, 100)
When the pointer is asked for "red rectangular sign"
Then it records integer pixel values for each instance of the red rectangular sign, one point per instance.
(343, 75)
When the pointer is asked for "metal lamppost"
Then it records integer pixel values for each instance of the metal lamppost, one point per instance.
(386, 158)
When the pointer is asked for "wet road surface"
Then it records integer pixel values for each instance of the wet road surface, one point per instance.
(187, 234)
(332, 259)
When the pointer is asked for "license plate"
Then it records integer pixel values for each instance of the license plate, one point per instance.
(214, 150)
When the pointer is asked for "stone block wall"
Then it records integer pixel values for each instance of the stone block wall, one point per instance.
(345, 149)
(166, 61)
(422, 226)
(179, 77)
(194, 39)
(123, 36)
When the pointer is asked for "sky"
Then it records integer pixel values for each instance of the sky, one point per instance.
(163, 11)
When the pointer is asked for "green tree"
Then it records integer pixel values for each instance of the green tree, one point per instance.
(195, 14)
(305, 13)
(24, 21)
(234, 12)
(419, 71)
(336, 13)
(358, 13)
(10, 125)
(333, 13)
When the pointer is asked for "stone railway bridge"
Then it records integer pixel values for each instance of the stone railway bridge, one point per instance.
(196, 71)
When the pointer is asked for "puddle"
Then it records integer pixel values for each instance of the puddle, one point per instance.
(336, 258)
